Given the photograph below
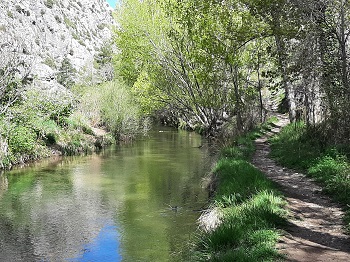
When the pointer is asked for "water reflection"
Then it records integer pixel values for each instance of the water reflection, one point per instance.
(110, 207)
(103, 248)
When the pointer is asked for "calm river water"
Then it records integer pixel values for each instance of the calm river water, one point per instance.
(115, 206)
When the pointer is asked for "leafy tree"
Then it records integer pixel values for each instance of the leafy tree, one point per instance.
(208, 62)
(195, 53)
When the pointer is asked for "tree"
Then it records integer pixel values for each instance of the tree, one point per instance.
(104, 63)
(196, 53)
(66, 73)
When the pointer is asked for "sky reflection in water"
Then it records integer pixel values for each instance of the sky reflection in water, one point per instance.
(105, 247)
(109, 207)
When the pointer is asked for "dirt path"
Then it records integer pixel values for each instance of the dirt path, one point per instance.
(315, 230)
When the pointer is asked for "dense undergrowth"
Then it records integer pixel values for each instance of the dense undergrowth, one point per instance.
(299, 147)
(250, 209)
(46, 122)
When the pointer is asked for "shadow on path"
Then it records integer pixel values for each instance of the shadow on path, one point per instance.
(316, 230)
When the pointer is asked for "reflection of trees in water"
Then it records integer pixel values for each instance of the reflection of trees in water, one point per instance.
(3, 184)
(54, 211)
(48, 216)
(166, 173)
(15, 244)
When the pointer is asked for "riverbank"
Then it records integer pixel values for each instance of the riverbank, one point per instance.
(25, 146)
(46, 122)
(246, 212)
(103, 205)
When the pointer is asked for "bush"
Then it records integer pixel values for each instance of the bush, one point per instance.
(44, 105)
(66, 74)
(47, 130)
(22, 140)
(49, 3)
(112, 105)
(118, 111)
(73, 142)
(78, 121)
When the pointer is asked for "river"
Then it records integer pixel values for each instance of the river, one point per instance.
(135, 202)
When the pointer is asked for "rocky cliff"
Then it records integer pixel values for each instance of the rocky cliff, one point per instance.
(44, 39)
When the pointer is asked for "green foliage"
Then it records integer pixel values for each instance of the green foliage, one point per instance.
(72, 142)
(22, 140)
(202, 67)
(105, 54)
(44, 119)
(243, 147)
(49, 61)
(251, 210)
(49, 3)
(294, 147)
(111, 104)
(44, 105)
(66, 74)
(48, 131)
(69, 23)
(146, 95)
(232, 179)
(78, 121)
(247, 231)
(117, 111)
(297, 147)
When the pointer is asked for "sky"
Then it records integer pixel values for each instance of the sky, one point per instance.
(112, 3)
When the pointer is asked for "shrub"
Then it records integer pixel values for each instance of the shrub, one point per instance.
(78, 121)
(45, 105)
(69, 23)
(111, 104)
(22, 140)
(118, 111)
(46, 129)
(49, 61)
(49, 3)
(66, 74)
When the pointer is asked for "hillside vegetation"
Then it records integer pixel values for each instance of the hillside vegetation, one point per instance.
(58, 93)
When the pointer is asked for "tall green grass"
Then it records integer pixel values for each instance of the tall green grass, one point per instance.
(251, 210)
(305, 149)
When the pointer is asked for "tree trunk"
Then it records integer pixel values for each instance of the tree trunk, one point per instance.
(289, 91)
(238, 102)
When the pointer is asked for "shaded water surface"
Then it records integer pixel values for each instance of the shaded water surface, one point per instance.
(134, 202)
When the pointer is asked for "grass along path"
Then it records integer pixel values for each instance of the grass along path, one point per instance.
(316, 229)
(246, 212)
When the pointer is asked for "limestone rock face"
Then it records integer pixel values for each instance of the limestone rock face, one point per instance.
(40, 34)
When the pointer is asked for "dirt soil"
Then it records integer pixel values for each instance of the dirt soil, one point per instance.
(315, 230)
